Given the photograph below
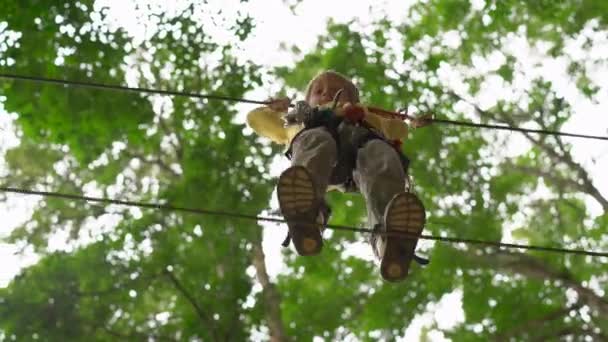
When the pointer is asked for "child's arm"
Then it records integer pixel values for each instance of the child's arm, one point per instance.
(422, 120)
(393, 123)
(280, 104)
(392, 127)
(268, 121)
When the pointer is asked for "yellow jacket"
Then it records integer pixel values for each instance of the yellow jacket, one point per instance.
(269, 123)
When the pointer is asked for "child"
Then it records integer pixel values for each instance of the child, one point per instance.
(336, 142)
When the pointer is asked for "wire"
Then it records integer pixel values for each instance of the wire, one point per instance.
(168, 207)
(56, 81)
(517, 129)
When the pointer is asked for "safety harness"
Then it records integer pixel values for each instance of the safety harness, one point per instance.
(326, 117)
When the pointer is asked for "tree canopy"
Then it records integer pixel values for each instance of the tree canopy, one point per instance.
(146, 274)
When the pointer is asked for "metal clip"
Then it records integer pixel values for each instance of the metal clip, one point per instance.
(336, 98)
(299, 114)
(409, 184)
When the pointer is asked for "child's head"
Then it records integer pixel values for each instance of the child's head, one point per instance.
(323, 88)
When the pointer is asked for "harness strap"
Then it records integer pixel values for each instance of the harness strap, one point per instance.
(319, 118)
(421, 261)
(326, 118)
(396, 144)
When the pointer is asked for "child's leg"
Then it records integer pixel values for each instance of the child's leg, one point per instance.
(381, 180)
(315, 149)
(302, 187)
(379, 176)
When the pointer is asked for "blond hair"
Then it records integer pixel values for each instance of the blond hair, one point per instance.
(351, 92)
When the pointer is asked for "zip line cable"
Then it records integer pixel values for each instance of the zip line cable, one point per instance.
(518, 129)
(56, 81)
(168, 207)
(103, 86)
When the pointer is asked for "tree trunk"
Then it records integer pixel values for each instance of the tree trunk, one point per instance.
(272, 299)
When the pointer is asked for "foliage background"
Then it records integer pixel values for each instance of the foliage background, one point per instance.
(151, 275)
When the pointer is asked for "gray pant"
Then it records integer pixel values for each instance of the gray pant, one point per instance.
(378, 171)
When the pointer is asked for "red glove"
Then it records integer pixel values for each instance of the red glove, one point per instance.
(354, 113)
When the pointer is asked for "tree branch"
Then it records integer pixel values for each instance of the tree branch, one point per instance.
(179, 151)
(587, 185)
(564, 182)
(576, 332)
(533, 324)
(158, 161)
(533, 268)
(565, 157)
(205, 319)
(133, 336)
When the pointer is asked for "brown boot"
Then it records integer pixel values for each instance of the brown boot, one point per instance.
(301, 206)
(404, 214)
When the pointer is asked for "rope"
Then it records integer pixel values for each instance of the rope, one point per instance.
(168, 207)
(56, 81)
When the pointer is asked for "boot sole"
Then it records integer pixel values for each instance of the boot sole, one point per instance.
(299, 205)
(405, 214)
